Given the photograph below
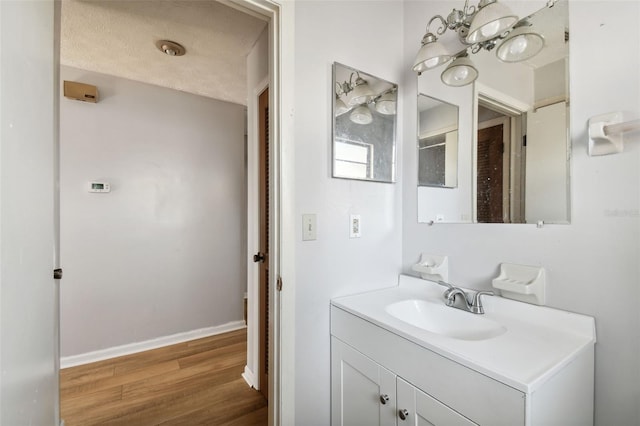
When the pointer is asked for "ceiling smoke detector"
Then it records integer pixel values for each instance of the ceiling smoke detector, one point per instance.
(170, 48)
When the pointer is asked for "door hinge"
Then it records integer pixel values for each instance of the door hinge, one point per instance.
(524, 140)
(57, 274)
(279, 284)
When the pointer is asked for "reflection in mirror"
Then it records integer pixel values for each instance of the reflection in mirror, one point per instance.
(520, 167)
(364, 126)
(437, 143)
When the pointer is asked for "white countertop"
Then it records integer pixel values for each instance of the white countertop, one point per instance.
(538, 340)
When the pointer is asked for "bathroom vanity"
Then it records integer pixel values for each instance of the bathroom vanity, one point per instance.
(401, 356)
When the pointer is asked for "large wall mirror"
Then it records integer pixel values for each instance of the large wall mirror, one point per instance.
(518, 146)
(364, 126)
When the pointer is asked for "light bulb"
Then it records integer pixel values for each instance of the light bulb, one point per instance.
(461, 73)
(490, 29)
(361, 115)
(518, 45)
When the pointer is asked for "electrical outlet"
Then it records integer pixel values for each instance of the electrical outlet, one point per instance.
(309, 231)
(355, 226)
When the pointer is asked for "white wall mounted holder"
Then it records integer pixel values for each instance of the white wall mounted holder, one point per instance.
(606, 133)
(521, 282)
(433, 267)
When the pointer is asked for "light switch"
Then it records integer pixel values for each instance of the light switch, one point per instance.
(309, 231)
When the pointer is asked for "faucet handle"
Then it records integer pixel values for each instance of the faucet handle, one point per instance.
(476, 301)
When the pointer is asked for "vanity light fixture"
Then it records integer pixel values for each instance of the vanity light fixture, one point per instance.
(460, 72)
(340, 106)
(361, 115)
(354, 93)
(386, 103)
(359, 98)
(491, 20)
(479, 27)
(361, 92)
(520, 44)
(170, 48)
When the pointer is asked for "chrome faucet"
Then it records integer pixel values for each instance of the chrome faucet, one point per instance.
(470, 303)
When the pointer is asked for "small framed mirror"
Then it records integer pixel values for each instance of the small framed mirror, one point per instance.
(437, 143)
(364, 126)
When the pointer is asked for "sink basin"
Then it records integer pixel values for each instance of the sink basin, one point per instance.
(443, 320)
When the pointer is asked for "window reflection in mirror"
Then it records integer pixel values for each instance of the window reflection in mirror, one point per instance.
(364, 126)
(437, 143)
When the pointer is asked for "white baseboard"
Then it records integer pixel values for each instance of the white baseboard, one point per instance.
(131, 348)
(249, 377)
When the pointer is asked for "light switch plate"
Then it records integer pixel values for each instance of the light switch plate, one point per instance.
(309, 225)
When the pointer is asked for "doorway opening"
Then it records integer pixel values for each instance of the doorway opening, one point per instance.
(268, 382)
(500, 160)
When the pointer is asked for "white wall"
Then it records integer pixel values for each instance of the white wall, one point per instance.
(365, 35)
(162, 253)
(592, 264)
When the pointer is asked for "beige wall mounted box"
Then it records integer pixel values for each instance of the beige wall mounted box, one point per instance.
(80, 91)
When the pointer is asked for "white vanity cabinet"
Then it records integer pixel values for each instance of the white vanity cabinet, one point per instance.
(538, 372)
(416, 408)
(365, 393)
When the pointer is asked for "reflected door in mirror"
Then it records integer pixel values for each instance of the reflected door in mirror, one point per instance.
(490, 174)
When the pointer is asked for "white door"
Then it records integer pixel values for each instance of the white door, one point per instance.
(417, 408)
(28, 293)
(362, 391)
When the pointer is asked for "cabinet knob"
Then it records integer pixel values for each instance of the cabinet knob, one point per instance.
(384, 399)
(403, 414)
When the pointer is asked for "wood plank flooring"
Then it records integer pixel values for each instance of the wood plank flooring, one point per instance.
(192, 383)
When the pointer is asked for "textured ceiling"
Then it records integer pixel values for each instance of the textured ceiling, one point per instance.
(117, 37)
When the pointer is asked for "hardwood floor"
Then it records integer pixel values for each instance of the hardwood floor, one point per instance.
(191, 383)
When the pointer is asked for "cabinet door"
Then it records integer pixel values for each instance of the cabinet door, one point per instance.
(362, 391)
(419, 409)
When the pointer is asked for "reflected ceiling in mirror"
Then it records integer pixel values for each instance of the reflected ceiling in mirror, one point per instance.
(520, 145)
(364, 126)
(437, 143)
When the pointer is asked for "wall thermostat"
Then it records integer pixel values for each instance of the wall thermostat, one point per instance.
(99, 187)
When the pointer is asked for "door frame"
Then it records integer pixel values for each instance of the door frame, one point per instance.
(280, 15)
(511, 107)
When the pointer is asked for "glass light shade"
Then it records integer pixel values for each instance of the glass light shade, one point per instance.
(520, 45)
(386, 104)
(361, 115)
(491, 20)
(360, 94)
(431, 54)
(340, 107)
(460, 72)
